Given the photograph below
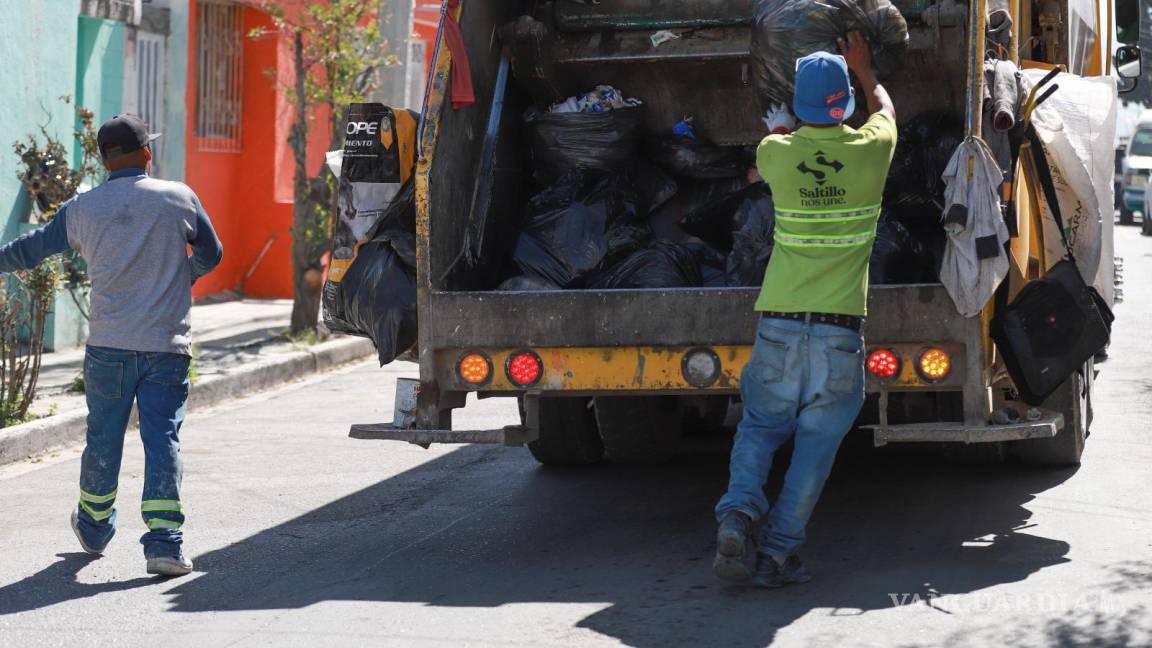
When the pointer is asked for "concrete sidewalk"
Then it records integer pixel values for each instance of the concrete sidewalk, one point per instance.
(240, 347)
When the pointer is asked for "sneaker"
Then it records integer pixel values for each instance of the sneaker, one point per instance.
(772, 573)
(170, 566)
(90, 549)
(734, 548)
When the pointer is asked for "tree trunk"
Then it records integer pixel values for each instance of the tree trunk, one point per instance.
(306, 305)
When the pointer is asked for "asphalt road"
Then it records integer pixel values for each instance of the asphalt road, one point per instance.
(303, 537)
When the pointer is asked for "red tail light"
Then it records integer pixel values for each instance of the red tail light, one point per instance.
(883, 364)
(524, 369)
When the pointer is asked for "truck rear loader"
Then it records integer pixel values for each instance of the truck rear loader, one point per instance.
(621, 373)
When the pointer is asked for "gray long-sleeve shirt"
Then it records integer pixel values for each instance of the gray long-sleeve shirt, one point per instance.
(133, 232)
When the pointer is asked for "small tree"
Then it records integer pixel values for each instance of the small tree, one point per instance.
(26, 298)
(336, 49)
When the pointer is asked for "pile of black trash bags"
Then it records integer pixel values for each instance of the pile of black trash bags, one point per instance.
(617, 210)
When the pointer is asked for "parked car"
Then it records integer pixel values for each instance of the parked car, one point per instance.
(1137, 166)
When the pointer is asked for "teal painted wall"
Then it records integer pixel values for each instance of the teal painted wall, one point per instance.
(38, 47)
(176, 100)
(99, 66)
(38, 50)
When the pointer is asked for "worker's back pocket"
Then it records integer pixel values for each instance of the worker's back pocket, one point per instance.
(769, 361)
(845, 371)
(103, 379)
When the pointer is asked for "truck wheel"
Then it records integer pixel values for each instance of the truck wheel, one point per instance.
(1127, 216)
(568, 434)
(639, 429)
(1067, 446)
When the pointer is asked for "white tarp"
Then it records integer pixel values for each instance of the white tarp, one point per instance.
(1077, 125)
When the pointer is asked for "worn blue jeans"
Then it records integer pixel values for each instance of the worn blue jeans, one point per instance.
(804, 382)
(158, 383)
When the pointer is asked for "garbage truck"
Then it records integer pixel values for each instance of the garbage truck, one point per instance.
(625, 374)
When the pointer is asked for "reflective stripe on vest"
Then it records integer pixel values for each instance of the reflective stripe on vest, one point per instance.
(827, 216)
(815, 219)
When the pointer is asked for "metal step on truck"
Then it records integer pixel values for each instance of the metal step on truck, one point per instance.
(622, 374)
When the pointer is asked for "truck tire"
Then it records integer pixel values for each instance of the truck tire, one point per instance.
(568, 434)
(639, 429)
(1066, 448)
(1127, 216)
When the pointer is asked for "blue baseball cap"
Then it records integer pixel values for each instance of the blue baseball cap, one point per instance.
(823, 89)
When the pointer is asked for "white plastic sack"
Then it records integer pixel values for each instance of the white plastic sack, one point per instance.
(974, 223)
(1077, 125)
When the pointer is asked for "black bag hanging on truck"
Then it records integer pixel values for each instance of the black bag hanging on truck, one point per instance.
(786, 30)
(575, 224)
(606, 141)
(1057, 323)
(1052, 328)
(380, 290)
(370, 290)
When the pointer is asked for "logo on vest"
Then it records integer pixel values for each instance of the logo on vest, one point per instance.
(822, 171)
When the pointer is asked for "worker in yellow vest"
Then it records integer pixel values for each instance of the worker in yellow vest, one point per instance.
(805, 380)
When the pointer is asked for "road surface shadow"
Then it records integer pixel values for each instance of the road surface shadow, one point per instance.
(57, 583)
(484, 527)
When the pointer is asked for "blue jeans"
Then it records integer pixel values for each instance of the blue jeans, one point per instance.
(158, 383)
(805, 382)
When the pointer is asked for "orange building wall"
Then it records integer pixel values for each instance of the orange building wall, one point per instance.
(247, 194)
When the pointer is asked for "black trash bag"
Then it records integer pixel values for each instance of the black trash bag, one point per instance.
(705, 208)
(753, 224)
(662, 264)
(398, 225)
(929, 234)
(561, 142)
(697, 157)
(379, 301)
(897, 257)
(924, 147)
(786, 30)
(654, 188)
(376, 297)
(575, 224)
(713, 264)
(524, 283)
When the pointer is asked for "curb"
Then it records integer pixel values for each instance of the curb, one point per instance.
(20, 442)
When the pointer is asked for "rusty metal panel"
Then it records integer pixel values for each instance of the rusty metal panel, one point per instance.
(667, 317)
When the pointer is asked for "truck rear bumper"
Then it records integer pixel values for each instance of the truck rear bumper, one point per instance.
(1047, 426)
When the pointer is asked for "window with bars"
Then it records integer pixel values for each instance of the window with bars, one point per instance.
(219, 53)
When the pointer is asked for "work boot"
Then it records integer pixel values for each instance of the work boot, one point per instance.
(170, 565)
(773, 573)
(734, 548)
(93, 548)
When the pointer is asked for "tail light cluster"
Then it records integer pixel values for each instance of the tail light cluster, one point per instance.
(523, 368)
(932, 364)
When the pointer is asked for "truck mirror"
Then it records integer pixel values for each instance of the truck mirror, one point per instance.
(1128, 67)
